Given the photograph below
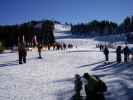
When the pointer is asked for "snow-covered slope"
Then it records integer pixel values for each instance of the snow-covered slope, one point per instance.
(51, 78)
(57, 27)
(62, 28)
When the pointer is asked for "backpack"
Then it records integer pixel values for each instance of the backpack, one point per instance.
(101, 86)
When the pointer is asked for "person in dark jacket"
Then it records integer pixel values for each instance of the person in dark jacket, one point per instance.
(90, 87)
(126, 52)
(78, 87)
(94, 88)
(118, 54)
(39, 50)
(101, 47)
(106, 53)
(22, 52)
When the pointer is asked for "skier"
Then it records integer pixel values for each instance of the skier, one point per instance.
(126, 52)
(101, 47)
(39, 50)
(78, 86)
(64, 46)
(118, 54)
(106, 53)
(49, 46)
(22, 51)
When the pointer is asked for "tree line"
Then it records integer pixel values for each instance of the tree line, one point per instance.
(104, 27)
(11, 34)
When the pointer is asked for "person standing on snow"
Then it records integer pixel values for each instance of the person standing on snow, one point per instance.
(39, 50)
(22, 52)
(106, 53)
(118, 54)
(126, 52)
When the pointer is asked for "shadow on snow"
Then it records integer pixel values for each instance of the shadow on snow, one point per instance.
(87, 65)
(121, 85)
(9, 63)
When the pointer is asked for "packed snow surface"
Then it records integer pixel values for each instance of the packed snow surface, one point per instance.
(51, 78)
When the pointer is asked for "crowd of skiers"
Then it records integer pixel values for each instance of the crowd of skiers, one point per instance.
(119, 51)
(23, 48)
(61, 46)
(101, 46)
(93, 86)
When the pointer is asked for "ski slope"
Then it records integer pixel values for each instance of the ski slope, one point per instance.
(51, 78)
(61, 27)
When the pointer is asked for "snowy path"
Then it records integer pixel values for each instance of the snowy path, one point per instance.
(51, 78)
(41, 79)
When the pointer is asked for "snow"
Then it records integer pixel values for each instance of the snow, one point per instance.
(51, 78)
(62, 27)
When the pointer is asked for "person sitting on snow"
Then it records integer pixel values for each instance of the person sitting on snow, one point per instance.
(94, 88)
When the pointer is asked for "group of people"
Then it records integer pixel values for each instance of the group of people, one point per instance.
(101, 46)
(94, 87)
(126, 51)
(22, 50)
(61, 46)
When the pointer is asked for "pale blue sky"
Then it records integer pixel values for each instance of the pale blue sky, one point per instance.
(71, 11)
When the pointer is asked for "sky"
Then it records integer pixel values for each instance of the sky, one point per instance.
(71, 11)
